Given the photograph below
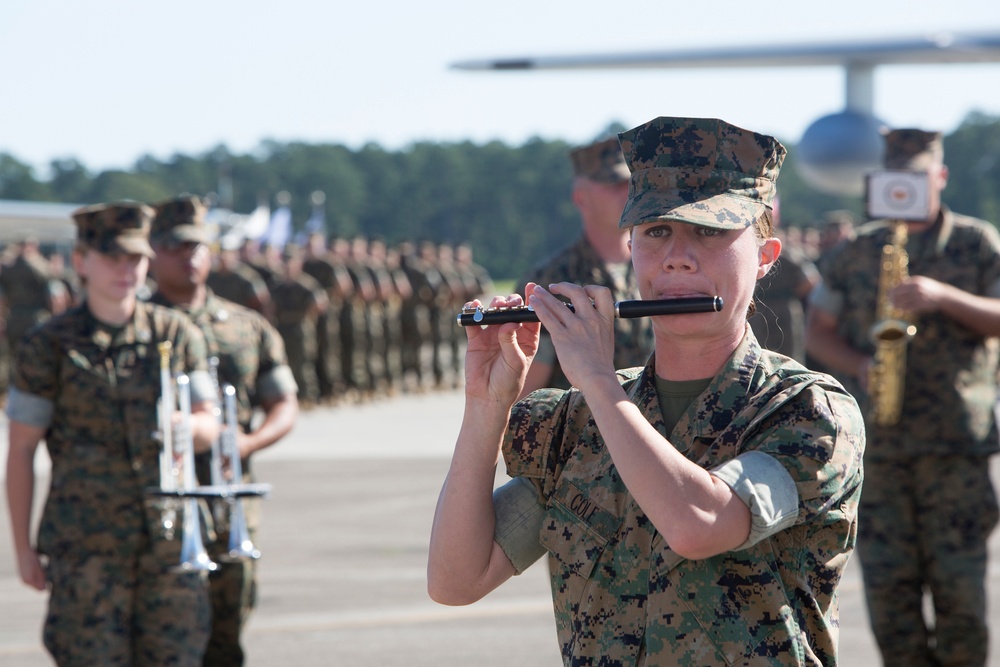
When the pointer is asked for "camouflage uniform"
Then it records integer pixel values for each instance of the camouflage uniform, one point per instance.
(928, 505)
(353, 320)
(453, 338)
(249, 355)
(25, 285)
(579, 263)
(333, 278)
(115, 595)
(251, 358)
(398, 290)
(787, 441)
(415, 310)
(622, 596)
(372, 343)
(295, 302)
(241, 285)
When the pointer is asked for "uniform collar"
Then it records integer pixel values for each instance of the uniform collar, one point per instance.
(725, 397)
(136, 330)
(942, 229)
(213, 308)
(932, 241)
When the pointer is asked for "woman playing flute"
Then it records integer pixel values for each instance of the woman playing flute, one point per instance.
(699, 510)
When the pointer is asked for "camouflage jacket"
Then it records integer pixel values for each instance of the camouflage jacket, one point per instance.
(294, 300)
(578, 263)
(623, 597)
(251, 357)
(99, 388)
(249, 349)
(951, 371)
(25, 285)
(242, 285)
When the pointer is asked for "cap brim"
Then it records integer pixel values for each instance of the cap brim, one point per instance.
(919, 162)
(722, 211)
(619, 174)
(124, 245)
(184, 234)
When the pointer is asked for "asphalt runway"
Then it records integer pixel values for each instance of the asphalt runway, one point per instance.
(344, 544)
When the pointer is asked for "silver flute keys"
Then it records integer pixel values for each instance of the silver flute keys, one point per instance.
(623, 309)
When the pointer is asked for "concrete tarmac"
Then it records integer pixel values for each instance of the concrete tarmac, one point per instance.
(344, 543)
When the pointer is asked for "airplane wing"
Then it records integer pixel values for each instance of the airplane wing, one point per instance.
(930, 49)
(45, 221)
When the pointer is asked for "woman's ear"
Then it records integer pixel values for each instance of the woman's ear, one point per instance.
(767, 255)
(77, 260)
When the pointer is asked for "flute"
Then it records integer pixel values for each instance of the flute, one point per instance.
(623, 309)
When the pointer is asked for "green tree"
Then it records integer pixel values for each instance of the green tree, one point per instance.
(17, 181)
(972, 154)
(511, 203)
(70, 179)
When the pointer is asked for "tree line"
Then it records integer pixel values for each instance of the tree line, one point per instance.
(511, 203)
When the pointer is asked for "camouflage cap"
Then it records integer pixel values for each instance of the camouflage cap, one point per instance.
(912, 149)
(702, 171)
(180, 219)
(601, 161)
(115, 228)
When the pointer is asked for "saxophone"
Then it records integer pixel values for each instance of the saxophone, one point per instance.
(890, 334)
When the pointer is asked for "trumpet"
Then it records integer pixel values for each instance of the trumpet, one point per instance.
(165, 415)
(215, 460)
(623, 309)
(178, 481)
(240, 544)
(193, 553)
(179, 484)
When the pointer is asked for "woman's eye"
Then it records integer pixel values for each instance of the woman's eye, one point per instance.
(657, 232)
(710, 231)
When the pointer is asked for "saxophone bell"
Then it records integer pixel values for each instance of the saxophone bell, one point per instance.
(889, 331)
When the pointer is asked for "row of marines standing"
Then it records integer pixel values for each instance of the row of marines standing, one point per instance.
(360, 318)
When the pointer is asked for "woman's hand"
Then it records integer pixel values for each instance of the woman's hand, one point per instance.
(29, 566)
(584, 338)
(498, 356)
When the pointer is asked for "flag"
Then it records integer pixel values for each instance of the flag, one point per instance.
(280, 228)
(255, 225)
(316, 224)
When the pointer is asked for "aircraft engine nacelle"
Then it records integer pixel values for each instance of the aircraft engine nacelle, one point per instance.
(837, 150)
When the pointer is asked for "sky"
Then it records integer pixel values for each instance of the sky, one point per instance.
(108, 81)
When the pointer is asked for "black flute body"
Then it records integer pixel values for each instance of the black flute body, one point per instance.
(624, 309)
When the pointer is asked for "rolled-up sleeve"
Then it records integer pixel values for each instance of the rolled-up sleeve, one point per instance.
(766, 488)
(519, 514)
(29, 409)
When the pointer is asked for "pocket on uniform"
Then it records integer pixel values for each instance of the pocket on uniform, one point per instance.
(740, 604)
(575, 529)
